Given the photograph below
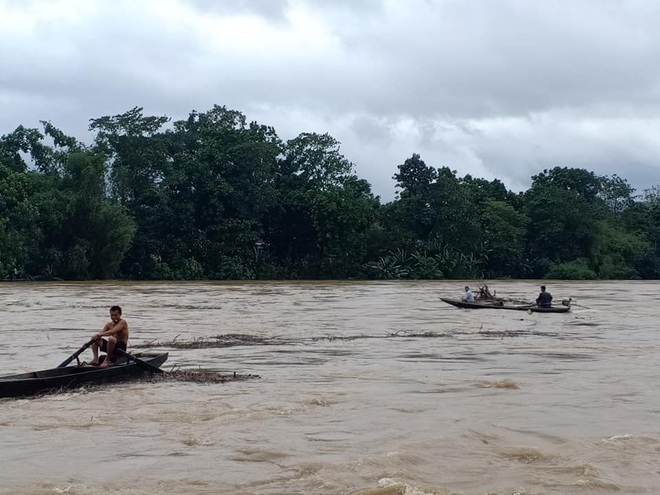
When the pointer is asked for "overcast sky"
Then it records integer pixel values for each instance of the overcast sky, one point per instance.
(493, 88)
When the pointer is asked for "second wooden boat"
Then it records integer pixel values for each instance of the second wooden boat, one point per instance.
(500, 305)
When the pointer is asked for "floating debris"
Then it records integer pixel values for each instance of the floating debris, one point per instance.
(506, 384)
(503, 333)
(515, 333)
(330, 338)
(199, 376)
(406, 333)
(240, 339)
(227, 340)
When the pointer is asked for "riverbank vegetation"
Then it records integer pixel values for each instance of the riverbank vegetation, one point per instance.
(216, 197)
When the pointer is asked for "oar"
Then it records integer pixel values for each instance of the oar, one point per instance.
(77, 353)
(571, 303)
(142, 364)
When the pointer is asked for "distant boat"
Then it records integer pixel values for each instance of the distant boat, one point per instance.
(494, 304)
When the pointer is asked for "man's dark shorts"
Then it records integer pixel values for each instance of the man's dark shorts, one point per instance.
(118, 345)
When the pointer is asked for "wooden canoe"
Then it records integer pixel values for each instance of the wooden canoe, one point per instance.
(68, 377)
(497, 305)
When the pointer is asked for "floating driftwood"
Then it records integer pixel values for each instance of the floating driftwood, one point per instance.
(515, 333)
(200, 376)
(227, 340)
(503, 333)
(400, 333)
(239, 339)
(407, 333)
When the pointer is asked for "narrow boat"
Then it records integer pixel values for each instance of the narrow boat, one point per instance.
(68, 377)
(501, 305)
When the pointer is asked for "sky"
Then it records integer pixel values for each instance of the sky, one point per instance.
(498, 89)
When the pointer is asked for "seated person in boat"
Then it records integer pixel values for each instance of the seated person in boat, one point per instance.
(484, 293)
(485, 296)
(116, 333)
(545, 299)
(468, 296)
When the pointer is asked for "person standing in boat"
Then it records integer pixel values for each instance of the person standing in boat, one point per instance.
(468, 296)
(116, 333)
(545, 299)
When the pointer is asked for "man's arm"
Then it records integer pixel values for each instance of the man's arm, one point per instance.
(110, 330)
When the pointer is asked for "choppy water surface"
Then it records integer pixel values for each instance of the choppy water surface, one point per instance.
(557, 404)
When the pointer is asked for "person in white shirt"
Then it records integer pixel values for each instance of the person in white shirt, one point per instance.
(468, 296)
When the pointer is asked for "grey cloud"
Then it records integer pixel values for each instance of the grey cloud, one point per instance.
(274, 10)
(277, 10)
(495, 89)
(487, 58)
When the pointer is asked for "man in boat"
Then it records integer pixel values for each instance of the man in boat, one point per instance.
(468, 296)
(116, 333)
(545, 299)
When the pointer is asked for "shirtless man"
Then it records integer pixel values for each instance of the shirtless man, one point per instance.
(116, 331)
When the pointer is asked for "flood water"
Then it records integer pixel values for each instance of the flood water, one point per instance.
(494, 402)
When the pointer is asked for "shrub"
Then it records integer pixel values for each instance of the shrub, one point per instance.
(573, 270)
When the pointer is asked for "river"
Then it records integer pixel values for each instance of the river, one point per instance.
(377, 388)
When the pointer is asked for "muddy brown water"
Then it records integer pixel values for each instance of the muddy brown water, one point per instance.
(495, 402)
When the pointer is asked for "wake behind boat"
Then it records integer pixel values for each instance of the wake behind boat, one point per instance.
(68, 377)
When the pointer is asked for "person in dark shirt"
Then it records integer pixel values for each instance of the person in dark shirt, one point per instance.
(545, 299)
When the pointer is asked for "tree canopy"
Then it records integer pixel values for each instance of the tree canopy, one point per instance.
(214, 196)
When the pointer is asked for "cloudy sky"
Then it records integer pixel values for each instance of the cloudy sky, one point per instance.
(493, 88)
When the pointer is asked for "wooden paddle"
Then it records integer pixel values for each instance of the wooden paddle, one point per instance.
(579, 305)
(77, 353)
(142, 364)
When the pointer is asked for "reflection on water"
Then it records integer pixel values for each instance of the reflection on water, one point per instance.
(366, 388)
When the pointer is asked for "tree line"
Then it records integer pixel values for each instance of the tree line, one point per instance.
(215, 197)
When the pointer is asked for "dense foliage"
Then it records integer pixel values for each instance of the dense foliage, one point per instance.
(216, 197)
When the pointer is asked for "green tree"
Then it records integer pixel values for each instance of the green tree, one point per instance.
(138, 160)
(504, 238)
(413, 217)
(436, 218)
(617, 194)
(564, 209)
(617, 253)
(220, 189)
(19, 230)
(320, 222)
(96, 233)
(57, 218)
(643, 220)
